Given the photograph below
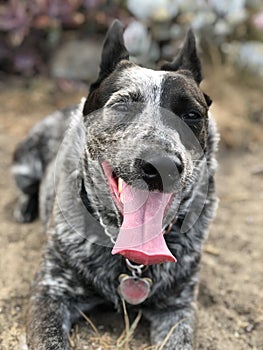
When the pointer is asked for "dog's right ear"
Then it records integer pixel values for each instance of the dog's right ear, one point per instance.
(113, 52)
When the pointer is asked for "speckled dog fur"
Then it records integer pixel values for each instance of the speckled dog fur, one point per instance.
(78, 270)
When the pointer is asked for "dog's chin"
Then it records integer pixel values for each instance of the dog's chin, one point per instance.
(140, 238)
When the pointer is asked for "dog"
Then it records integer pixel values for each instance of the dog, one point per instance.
(124, 183)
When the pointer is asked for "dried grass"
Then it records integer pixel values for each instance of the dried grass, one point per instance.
(106, 341)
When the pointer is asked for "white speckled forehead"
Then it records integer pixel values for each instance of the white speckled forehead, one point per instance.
(146, 81)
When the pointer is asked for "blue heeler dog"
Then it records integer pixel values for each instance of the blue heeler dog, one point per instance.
(125, 187)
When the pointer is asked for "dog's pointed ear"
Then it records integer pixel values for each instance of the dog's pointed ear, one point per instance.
(113, 52)
(187, 58)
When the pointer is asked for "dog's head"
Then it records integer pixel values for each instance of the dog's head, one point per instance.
(145, 131)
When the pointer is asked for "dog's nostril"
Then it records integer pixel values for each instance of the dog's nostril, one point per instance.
(149, 170)
(161, 172)
(162, 165)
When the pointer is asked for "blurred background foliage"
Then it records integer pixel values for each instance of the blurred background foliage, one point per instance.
(62, 38)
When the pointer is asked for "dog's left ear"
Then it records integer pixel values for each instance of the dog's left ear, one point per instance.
(187, 58)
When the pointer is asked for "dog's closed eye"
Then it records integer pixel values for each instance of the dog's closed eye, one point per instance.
(121, 106)
(191, 116)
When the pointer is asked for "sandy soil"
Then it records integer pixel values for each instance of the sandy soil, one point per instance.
(230, 300)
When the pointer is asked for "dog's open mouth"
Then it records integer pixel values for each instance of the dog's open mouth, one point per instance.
(141, 236)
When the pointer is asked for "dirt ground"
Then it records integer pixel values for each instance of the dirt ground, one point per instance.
(230, 302)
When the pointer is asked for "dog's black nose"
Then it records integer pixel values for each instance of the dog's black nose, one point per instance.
(161, 173)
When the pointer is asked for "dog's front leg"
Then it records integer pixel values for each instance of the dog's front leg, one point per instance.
(173, 329)
(48, 323)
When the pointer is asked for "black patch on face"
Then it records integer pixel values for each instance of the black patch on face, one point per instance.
(182, 96)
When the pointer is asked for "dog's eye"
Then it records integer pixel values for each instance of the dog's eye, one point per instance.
(121, 106)
(192, 116)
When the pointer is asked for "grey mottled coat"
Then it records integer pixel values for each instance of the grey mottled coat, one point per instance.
(78, 270)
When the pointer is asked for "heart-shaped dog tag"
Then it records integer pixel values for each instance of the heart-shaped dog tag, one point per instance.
(134, 290)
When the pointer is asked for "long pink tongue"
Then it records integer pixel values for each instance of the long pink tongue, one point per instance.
(140, 238)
